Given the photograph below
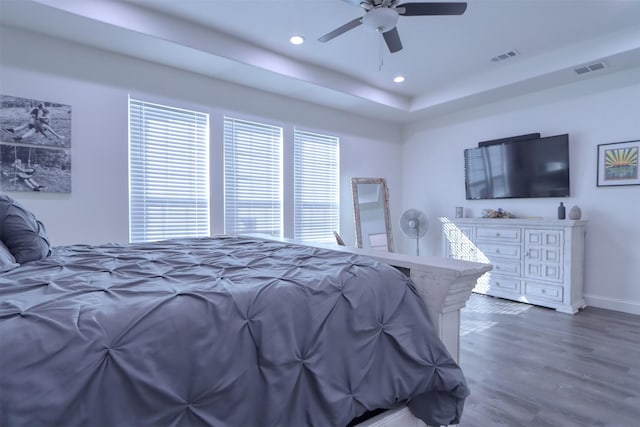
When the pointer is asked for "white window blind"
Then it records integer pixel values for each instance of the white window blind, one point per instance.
(316, 186)
(168, 172)
(252, 177)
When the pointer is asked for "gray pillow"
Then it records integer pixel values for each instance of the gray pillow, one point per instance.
(21, 232)
(7, 261)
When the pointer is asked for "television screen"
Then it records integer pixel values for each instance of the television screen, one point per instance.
(532, 168)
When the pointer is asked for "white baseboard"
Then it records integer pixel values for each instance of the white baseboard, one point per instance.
(625, 306)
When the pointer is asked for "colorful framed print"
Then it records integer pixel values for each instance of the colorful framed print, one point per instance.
(618, 164)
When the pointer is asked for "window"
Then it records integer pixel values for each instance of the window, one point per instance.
(168, 172)
(252, 177)
(316, 186)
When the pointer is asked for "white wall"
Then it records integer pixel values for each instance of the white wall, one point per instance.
(426, 172)
(96, 84)
(594, 111)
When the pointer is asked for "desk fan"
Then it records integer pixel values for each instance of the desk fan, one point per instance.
(414, 224)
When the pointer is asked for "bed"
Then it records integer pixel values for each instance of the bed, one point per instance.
(224, 331)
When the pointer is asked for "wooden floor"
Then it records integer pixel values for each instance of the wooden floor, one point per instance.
(531, 366)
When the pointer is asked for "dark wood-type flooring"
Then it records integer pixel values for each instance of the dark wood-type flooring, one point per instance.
(532, 366)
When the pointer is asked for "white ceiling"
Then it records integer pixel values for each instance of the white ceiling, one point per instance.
(446, 59)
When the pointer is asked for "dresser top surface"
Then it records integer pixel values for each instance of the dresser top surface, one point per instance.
(526, 222)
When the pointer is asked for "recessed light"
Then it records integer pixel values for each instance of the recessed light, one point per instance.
(398, 79)
(296, 39)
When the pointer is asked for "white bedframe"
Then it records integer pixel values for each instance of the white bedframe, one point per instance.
(445, 286)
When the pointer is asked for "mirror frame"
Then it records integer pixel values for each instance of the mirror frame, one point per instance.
(356, 209)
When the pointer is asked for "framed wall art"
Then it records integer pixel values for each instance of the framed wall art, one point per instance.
(35, 145)
(618, 164)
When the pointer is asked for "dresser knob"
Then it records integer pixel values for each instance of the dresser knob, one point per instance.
(544, 291)
(497, 251)
(497, 234)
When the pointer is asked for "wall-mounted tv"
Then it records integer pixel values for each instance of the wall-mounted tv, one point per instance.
(519, 169)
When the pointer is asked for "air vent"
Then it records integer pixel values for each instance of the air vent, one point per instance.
(506, 55)
(591, 67)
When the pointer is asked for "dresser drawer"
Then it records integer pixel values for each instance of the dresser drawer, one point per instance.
(511, 268)
(491, 250)
(499, 234)
(548, 255)
(542, 290)
(546, 238)
(504, 284)
(544, 271)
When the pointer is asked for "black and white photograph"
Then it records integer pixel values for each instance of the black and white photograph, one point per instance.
(32, 121)
(29, 168)
(35, 137)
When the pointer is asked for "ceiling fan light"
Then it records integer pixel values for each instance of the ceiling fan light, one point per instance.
(381, 19)
(398, 79)
(296, 40)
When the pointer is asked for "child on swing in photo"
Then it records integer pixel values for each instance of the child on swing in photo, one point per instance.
(25, 174)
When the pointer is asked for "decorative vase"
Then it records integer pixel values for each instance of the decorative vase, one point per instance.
(575, 212)
(561, 211)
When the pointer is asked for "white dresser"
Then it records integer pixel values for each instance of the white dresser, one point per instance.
(534, 260)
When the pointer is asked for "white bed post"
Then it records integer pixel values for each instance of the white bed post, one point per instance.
(445, 291)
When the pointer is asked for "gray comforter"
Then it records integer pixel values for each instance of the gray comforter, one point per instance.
(225, 331)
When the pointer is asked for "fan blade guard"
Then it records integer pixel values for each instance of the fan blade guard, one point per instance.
(414, 223)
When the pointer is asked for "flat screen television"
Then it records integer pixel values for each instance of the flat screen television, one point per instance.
(521, 169)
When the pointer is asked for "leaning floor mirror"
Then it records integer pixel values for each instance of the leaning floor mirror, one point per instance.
(371, 209)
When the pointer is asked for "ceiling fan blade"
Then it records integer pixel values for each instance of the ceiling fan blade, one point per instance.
(422, 9)
(341, 30)
(392, 38)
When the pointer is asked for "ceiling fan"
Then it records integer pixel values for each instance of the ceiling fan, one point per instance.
(382, 16)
